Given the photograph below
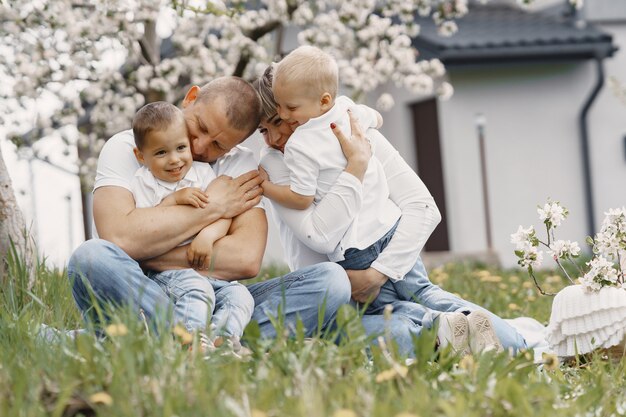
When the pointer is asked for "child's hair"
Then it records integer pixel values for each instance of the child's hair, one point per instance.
(313, 70)
(263, 86)
(154, 116)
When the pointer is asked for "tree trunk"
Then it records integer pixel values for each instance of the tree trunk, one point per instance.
(13, 230)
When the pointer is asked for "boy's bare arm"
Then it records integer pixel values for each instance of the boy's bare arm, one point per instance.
(190, 196)
(283, 195)
(200, 250)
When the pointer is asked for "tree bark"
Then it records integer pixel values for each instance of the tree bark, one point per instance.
(13, 230)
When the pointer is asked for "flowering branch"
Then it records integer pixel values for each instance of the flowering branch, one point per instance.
(605, 268)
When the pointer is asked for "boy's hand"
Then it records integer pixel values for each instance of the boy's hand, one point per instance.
(263, 174)
(191, 196)
(199, 253)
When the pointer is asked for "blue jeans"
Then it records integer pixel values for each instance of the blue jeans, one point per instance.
(229, 305)
(430, 299)
(115, 278)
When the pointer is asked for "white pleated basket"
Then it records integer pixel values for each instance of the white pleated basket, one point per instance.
(584, 321)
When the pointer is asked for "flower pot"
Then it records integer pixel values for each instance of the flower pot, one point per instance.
(582, 321)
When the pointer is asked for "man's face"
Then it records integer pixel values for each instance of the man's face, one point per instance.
(166, 153)
(275, 132)
(294, 107)
(210, 133)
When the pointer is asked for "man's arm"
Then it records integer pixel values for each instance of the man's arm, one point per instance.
(235, 256)
(148, 232)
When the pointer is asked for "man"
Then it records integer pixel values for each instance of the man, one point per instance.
(219, 116)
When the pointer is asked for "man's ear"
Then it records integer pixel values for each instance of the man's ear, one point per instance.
(191, 95)
(326, 101)
(138, 155)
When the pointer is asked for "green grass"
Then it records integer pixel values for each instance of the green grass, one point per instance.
(140, 374)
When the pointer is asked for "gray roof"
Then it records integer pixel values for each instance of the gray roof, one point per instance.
(500, 33)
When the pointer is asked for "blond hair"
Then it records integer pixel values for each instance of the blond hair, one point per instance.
(314, 71)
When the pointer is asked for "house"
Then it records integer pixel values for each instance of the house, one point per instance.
(539, 80)
(553, 128)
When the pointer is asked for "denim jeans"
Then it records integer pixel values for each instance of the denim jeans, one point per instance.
(229, 305)
(115, 278)
(430, 299)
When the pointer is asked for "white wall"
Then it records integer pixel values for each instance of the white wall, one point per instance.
(608, 129)
(533, 147)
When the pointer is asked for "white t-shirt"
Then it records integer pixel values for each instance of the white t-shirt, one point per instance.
(314, 159)
(307, 234)
(117, 163)
(149, 191)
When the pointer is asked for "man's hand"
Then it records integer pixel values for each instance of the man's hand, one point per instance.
(235, 195)
(191, 196)
(365, 284)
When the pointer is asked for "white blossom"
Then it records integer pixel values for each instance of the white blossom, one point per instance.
(552, 213)
(524, 238)
(447, 28)
(385, 102)
(531, 258)
(578, 4)
(563, 248)
(99, 49)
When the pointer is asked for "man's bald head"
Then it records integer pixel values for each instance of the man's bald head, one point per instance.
(239, 99)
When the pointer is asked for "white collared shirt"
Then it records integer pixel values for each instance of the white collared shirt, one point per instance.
(306, 234)
(117, 164)
(149, 191)
(315, 161)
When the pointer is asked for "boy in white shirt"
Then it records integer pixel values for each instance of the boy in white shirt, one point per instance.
(304, 87)
(169, 176)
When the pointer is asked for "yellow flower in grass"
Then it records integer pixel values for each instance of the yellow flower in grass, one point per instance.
(553, 279)
(513, 307)
(258, 413)
(182, 333)
(344, 412)
(392, 373)
(491, 278)
(116, 330)
(550, 361)
(527, 284)
(101, 398)
(467, 362)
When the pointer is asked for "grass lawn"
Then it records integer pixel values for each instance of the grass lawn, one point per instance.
(136, 373)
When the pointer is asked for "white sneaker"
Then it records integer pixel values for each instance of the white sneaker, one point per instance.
(482, 336)
(454, 330)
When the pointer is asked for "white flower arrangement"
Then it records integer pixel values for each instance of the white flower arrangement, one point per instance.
(605, 269)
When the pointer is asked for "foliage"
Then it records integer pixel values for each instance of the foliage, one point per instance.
(606, 268)
(137, 373)
(80, 69)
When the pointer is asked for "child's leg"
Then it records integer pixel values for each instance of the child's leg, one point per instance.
(233, 308)
(192, 294)
(417, 287)
(417, 313)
